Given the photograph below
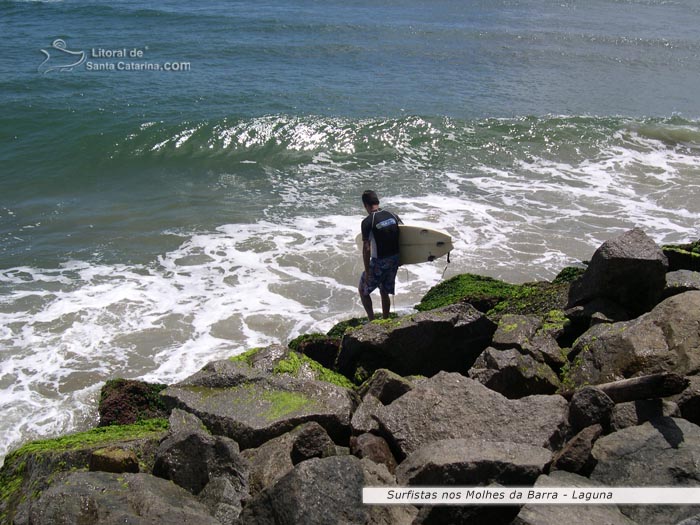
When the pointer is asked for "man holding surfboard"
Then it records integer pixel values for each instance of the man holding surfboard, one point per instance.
(380, 254)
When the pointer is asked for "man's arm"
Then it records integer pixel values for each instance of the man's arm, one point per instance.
(366, 254)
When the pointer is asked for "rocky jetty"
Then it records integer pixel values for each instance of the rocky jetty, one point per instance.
(590, 381)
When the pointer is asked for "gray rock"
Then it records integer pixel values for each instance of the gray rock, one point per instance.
(266, 359)
(590, 406)
(658, 453)
(513, 374)
(558, 514)
(689, 401)
(192, 459)
(576, 455)
(275, 458)
(365, 417)
(374, 448)
(667, 339)
(449, 338)
(457, 462)
(515, 331)
(35, 469)
(181, 421)
(695, 520)
(598, 310)
(252, 406)
(269, 462)
(385, 385)
(630, 270)
(223, 499)
(324, 491)
(544, 348)
(681, 281)
(450, 405)
(635, 413)
(111, 499)
(311, 441)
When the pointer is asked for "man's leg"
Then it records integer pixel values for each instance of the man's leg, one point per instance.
(367, 303)
(365, 289)
(386, 304)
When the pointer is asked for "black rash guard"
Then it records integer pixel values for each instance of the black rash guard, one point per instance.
(381, 228)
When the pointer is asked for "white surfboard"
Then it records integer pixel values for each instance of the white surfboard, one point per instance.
(418, 245)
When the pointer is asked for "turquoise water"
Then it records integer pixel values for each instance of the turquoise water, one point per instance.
(200, 194)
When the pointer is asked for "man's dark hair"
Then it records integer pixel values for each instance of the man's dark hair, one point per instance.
(370, 198)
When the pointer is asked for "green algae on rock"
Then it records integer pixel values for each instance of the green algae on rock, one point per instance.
(496, 297)
(30, 469)
(252, 405)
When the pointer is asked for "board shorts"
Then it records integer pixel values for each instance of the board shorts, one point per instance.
(382, 275)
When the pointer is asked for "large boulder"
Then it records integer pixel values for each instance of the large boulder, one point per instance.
(192, 459)
(29, 471)
(590, 406)
(515, 331)
(630, 270)
(374, 448)
(633, 413)
(364, 419)
(449, 338)
(253, 406)
(533, 335)
(275, 458)
(558, 514)
(323, 491)
(667, 339)
(659, 453)
(467, 462)
(689, 401)
(514, 374)
(385, 385)
(111, 499)
(576, 455)
(449, 405)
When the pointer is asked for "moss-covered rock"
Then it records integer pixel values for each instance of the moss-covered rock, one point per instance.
(683, 256)
(277, 359)
(449, 338)
(30, 469)
(569, 274)
(481, 292)
(497, 298)
(252, 405)
(299, 365)
(340, 329)
(126, 401)
(319, 347)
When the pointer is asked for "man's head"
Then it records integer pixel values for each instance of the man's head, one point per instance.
(369, 199)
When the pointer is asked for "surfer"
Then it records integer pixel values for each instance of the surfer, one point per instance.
(380, 254)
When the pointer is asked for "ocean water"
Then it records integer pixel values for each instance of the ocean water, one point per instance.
(180, 181)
